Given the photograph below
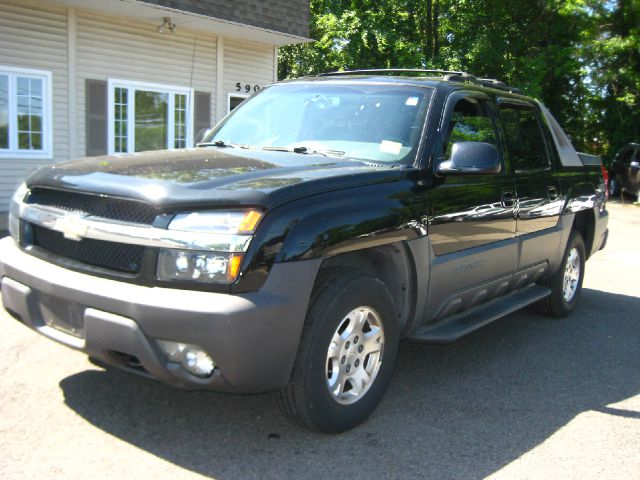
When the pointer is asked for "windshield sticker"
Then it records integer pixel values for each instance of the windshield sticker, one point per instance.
(411, 101)
(387, 146)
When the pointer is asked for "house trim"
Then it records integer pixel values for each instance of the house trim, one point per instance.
(275, 64)
(72, 75)
(219, 78)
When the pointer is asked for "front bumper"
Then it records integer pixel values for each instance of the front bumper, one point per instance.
(253, 338)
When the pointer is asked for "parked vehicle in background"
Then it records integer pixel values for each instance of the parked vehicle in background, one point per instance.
(321, 222)
(624, 171)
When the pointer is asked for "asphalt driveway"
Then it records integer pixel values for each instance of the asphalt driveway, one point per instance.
(526, 397)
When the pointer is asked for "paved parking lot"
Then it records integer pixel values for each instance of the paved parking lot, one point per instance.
(526, 397)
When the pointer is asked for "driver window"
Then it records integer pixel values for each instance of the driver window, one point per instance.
(470, 122)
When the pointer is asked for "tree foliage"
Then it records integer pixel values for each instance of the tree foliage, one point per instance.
(580, 57)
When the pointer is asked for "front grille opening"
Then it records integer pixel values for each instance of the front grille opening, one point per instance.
(128, 361)
(114, 256)
(94, 205)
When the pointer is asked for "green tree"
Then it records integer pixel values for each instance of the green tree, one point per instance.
(613, 58)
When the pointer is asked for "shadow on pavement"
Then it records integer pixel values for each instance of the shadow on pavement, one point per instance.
(462, 410)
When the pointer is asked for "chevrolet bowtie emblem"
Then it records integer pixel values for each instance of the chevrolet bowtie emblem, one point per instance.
(73, 228)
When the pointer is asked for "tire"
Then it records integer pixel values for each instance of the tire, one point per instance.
(327, 391)
(614, 187)
(564, 296)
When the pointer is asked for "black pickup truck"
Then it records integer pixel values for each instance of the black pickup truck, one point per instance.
(316, 226)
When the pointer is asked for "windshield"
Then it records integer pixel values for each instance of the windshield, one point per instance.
(381, 123)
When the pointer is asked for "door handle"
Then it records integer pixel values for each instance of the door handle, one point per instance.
(508, 198)
(552, 193)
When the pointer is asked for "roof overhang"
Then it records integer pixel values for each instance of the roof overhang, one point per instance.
(147, 12)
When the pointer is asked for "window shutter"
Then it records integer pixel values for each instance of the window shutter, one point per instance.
(96, 116)
(202, 114)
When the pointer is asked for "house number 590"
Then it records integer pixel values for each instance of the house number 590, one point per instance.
(246, 87)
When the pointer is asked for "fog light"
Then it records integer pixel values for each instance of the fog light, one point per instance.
(198, 362)
(192, 357)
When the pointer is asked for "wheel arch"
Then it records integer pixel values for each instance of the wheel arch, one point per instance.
(585, 222)
(394, 265)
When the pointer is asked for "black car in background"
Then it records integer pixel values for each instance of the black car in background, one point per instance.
(624, 171)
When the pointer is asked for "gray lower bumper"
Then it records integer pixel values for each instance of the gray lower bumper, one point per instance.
(253, 338)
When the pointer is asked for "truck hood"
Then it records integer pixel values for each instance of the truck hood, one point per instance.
(210, 176)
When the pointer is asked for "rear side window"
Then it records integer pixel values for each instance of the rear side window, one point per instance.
(625, 155)
(470, 122)
(525, 141)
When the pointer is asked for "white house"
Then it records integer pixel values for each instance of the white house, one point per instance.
(103, 76)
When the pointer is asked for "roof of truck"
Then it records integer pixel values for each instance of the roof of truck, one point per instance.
(442, 80)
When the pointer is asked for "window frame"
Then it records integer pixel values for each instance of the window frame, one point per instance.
(517, 104)
(13, 152)
(131, 86)
(235, 95)
(450, 103)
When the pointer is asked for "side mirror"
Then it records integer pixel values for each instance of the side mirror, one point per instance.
(471, 158)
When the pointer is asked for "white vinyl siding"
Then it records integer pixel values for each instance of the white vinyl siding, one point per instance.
(247, 63)
(117, 48)
(34, 36)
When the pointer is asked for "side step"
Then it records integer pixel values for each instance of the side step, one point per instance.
(457, 326)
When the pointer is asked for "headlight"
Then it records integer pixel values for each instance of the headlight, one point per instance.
(208, 266)
(14, 211)
(201, 267)
(217, 222)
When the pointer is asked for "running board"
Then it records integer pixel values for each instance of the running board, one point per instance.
(460, 324)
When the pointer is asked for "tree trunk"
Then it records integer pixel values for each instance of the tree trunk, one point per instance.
(429, 29)
(436, 28)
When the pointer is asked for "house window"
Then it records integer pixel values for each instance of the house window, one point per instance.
(146, 116)
(25, 113)
(235, 99)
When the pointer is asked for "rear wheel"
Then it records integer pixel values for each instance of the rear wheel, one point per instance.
(566, 283)
(347, 353)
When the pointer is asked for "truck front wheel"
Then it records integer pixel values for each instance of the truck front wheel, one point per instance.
(347, 353)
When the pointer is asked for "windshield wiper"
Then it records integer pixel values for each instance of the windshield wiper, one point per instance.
(222, 144)
(307, 151)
